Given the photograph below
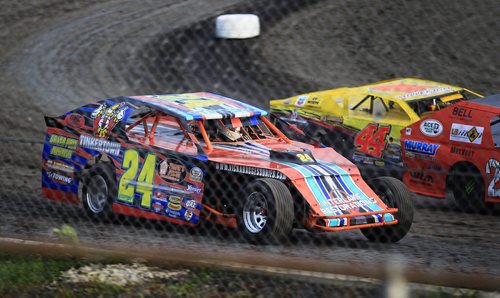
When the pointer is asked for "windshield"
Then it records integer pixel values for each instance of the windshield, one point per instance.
(427, 106)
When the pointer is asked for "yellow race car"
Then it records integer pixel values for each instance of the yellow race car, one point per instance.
(363, 123)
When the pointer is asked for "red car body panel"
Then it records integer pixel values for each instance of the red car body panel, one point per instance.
(464, 132)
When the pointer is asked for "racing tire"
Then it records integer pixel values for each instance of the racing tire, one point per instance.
(99, 191)
(467, 186)
(266, 213)
(395, 195)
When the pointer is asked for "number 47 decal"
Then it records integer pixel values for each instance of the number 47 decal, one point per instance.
(371, 139)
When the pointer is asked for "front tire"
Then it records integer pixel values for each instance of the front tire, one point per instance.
(395, 195)
(265, 214)
(98, 191)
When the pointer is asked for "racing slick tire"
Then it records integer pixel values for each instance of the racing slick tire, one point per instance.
(266, 213)
(99, 191)
(467, 185)
(395, 195)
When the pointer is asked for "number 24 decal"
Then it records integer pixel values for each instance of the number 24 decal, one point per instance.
(144, 183)
(371, 139)
(304, 157)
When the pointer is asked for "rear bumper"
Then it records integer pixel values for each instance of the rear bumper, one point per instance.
(353, 221)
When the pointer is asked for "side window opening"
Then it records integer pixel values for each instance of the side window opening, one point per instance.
(154, 124)
(495, 130)
(396, 112)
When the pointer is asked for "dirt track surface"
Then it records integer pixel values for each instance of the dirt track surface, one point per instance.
(60, 55)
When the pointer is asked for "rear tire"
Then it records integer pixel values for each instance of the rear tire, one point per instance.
(467, 185)
(266, 213)
(99, 191)
(395, 195)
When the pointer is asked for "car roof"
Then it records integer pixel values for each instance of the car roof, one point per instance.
(490, 100)
(406, 89)
(199, 106)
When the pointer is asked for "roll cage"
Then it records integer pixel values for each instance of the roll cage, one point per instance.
(195, 130)
(418, 106)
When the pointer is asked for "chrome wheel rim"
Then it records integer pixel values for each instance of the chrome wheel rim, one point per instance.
(255, 212)
(97, 194)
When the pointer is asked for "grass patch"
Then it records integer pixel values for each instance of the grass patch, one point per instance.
(26, 276)
(29, 273)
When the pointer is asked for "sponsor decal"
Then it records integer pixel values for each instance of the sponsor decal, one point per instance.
(421, 147)
(175, 203)
(196, 174)
(63, 142)
(421, 178)
(188, 215)
(160, 196)
(172, 213)
(493, 169)
(314, 101)
(379, 163)
(100, 145)
(61, 152)
(466, 133)
(408, 131)
(171, 170)
(75, 120)
(402, 87)
(431, 128)
(341, 201)
(193, 188)
(426, 92)
(434, 167)
(106, 117)
(288, 101)
(462, 112)
(462, 151)
(301, 100)
(60, 178)
(191, 204)
(250, 171)
(60, 166)
(157, 207)
(409, 154)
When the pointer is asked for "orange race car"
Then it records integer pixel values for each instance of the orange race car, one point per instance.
(185, 158)
(457, 148)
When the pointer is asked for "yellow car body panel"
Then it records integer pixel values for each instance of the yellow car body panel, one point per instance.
(373, 114)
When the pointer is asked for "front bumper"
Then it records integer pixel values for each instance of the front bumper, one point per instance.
(352, 221)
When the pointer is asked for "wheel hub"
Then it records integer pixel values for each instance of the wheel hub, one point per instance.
(97, 194)
(255, 212)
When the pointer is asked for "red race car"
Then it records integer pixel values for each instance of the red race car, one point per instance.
(457, 148)
(185, 158)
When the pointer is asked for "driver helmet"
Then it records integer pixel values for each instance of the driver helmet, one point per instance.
(227, 133)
